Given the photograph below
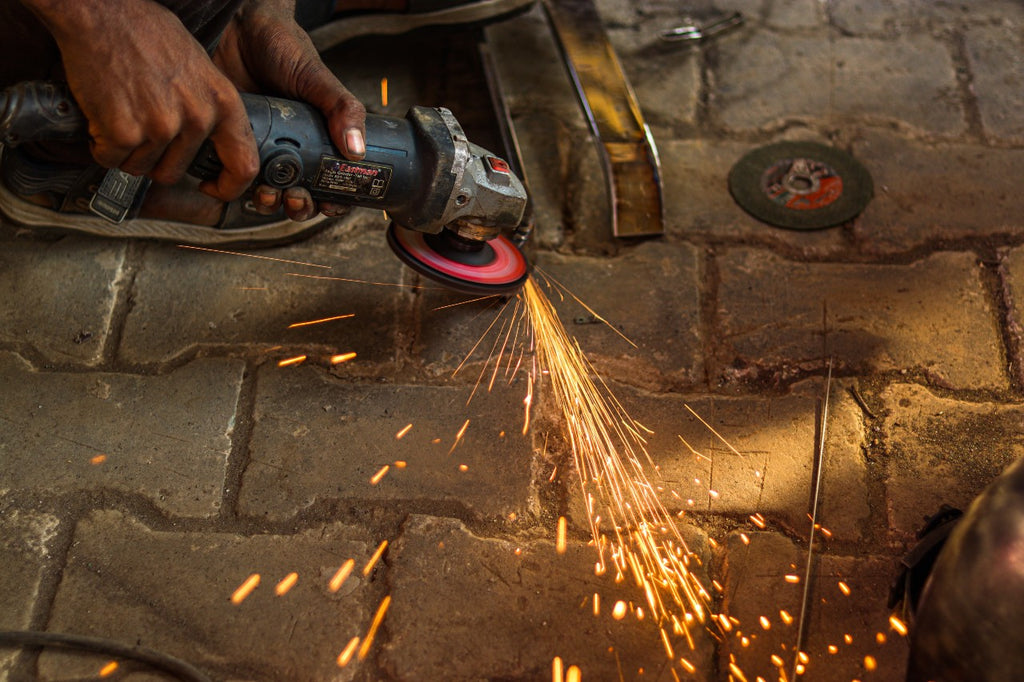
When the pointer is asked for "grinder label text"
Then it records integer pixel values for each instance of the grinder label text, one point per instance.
(354, 179)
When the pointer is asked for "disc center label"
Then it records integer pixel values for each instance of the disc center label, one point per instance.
(801, 184)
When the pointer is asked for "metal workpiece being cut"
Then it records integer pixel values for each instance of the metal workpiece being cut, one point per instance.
(449, 200)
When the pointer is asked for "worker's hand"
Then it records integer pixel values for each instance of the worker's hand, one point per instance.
(150, 92)
(264, 50)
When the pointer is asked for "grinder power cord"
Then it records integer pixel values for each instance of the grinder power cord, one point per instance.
(448, 199)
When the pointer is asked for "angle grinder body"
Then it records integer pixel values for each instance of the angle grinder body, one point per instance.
(421, 170)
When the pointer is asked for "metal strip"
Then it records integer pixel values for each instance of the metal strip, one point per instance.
(630, 157)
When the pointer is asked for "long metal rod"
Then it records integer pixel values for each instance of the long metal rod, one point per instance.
(819, 463)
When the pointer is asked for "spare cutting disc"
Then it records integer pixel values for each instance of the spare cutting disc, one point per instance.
(498, 267)
(800, 185)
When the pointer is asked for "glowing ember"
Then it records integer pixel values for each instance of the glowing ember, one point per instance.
(109, 669)
(320, 321)
(378, 618)
(786, 618)
(848, 639)
(870, 663)
(340, 575)
(619, 610)
(384, 91)
(898, 625)
(560, 536)
(245, 589)
(400, 464)
(342, 357)
(348, 652)
(758, 521)
(557, 670)
(405, 429)
(375, 479)
(844, 588)
(573, 674)
(792, 579)
(288, 362)
(765, 623)
(287, 583)
(458, 436)
(880, 637)
(833, 649)
(687, 666)
(98, 459)
(375, 558)
(597, 604)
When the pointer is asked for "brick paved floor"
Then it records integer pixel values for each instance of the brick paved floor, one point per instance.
(153, 455)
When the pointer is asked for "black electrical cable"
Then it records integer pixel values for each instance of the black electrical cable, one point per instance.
(170, 664)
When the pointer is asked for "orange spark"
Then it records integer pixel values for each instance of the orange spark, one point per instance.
(758, 521)
(458, 436)
(341, 574)
(375, 558)
(253, 255)
(375, 479)
(557, 673)
(245, 589)
(786, 618)
(286, 584)
(848, 638)
(898, 625)
(342, 357)
(293, 325)
(597, 604)
(833, 649)
(405, 429)
(880, 637)
(98, 459)
(870, 663)
(463, 468)
(109, 669)
(298, 359)
(619, 610)
(792, 579)
(844, 588)
(765, 623)
(378, 618)
(560, 536)
(735, 670)
(384, 91)
(687, 666)
(573, 674)
(400, 464)
(346, 654)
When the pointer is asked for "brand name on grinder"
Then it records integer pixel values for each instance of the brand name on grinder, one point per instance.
(361, 170)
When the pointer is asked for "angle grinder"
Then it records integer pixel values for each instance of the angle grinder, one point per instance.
(448, 199)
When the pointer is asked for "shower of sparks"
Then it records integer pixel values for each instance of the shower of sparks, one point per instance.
(308, 323)
(286, 584)
(288, 362)
(245, 589)
(375, 479)
(378, 618)
(342, 357)
(405, 429)
(375, 558)
(254, 255)
(109, 669)
(338, 579)
(630, 528)
(348, 652)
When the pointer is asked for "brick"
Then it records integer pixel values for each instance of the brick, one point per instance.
(650, 295)
(188, 300)
(60, 295)
(767, 79)
(771, 475)
(997, 68)
(893, 18)
(930, 192)
(919, 67)
(532, 605)
(942, 450)
(773, 314)
(796, 14)
(318, 438)
(26, 543)
(171, 591)
(164, 437)
(755, 586)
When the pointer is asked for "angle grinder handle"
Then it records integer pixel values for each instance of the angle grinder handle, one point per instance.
(40, 110)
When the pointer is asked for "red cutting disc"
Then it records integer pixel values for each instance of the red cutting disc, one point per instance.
(497, 268)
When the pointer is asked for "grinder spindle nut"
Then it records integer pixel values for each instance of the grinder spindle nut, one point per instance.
(283, 169)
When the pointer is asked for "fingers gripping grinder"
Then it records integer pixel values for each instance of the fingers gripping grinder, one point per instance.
(448, 199)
